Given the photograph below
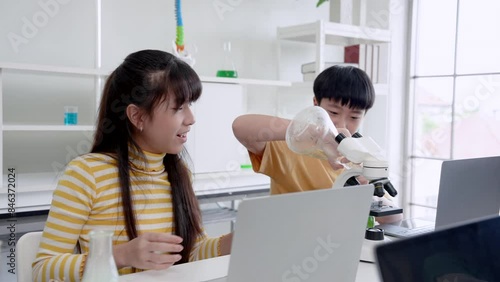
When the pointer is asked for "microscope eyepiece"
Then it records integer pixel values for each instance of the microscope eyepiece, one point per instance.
(383, 184)
(379, 189)
(390, 189)
(339, 137)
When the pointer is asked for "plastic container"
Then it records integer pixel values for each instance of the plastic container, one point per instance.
(312, 133)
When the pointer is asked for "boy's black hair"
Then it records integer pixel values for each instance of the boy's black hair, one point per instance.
(348, 85)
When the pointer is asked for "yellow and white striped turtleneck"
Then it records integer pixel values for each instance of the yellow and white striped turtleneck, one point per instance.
(88, 197)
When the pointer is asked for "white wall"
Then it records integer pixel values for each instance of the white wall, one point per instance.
(62, 36)
(67, 37)
(399, 14)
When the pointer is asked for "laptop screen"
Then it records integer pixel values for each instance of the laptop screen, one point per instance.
(467, 253)
(468, 189)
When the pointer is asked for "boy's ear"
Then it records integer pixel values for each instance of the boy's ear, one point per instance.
(135, 116)
(315, 102)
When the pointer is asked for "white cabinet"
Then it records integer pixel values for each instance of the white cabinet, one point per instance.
(215, 148)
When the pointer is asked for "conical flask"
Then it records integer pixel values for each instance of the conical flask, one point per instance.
(228, 69)
(312, 133)
(100, 265)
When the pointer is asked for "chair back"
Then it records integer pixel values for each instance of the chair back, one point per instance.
(26, 250)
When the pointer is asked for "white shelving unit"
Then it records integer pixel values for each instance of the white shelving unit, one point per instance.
(34, 188)
(14, 127)
(322, 33)
(104, 73)
(334, 33)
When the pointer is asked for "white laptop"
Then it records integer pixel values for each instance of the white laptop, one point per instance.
(468, 189)
(307, 236)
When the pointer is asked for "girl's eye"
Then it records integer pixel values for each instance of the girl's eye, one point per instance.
(188, 104)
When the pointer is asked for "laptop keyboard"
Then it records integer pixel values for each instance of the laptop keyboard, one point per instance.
(223, 279)
(402, 232)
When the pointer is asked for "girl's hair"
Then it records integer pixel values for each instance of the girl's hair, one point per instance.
(348, 85)
(146, 79)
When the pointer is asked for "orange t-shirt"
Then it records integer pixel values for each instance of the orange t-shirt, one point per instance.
(291, 172)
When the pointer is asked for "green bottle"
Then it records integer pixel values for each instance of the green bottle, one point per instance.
(371, 222)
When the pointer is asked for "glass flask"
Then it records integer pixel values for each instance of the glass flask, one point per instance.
(100, 265)
(312, 133)
(228, 69)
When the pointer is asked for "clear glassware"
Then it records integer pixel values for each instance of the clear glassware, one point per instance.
(228, 69)
(312, 133)
(100, 265)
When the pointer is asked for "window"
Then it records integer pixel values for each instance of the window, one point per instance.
(455, 91)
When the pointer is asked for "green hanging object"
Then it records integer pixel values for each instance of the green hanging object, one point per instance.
(179, 31)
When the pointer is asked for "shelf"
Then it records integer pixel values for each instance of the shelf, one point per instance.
(48, 127)
(204, 183)
(381, 89)
(245, 81)
(216, 215)
(336, 33)
(23, 224)
(53, 69)
(99, 72)
(32, 182)
(34, 190)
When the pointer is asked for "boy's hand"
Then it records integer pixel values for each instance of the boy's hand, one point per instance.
(336, 160)
(338, 163)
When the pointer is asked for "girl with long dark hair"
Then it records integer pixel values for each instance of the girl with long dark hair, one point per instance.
(134, 181)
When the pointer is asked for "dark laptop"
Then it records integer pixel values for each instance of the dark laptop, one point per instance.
(464, 253)
(468, 189)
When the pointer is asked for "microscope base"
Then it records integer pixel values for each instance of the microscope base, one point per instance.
(384, 210)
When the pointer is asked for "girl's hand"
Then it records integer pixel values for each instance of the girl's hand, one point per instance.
(149, 251)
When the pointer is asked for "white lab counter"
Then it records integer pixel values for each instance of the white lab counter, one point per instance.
(208, 269)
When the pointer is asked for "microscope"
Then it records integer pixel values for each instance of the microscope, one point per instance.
(363, 150)
(313, 133)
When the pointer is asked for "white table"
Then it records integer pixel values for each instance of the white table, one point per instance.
(207, 269)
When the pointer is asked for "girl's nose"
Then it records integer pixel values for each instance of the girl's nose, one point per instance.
(190, 120)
